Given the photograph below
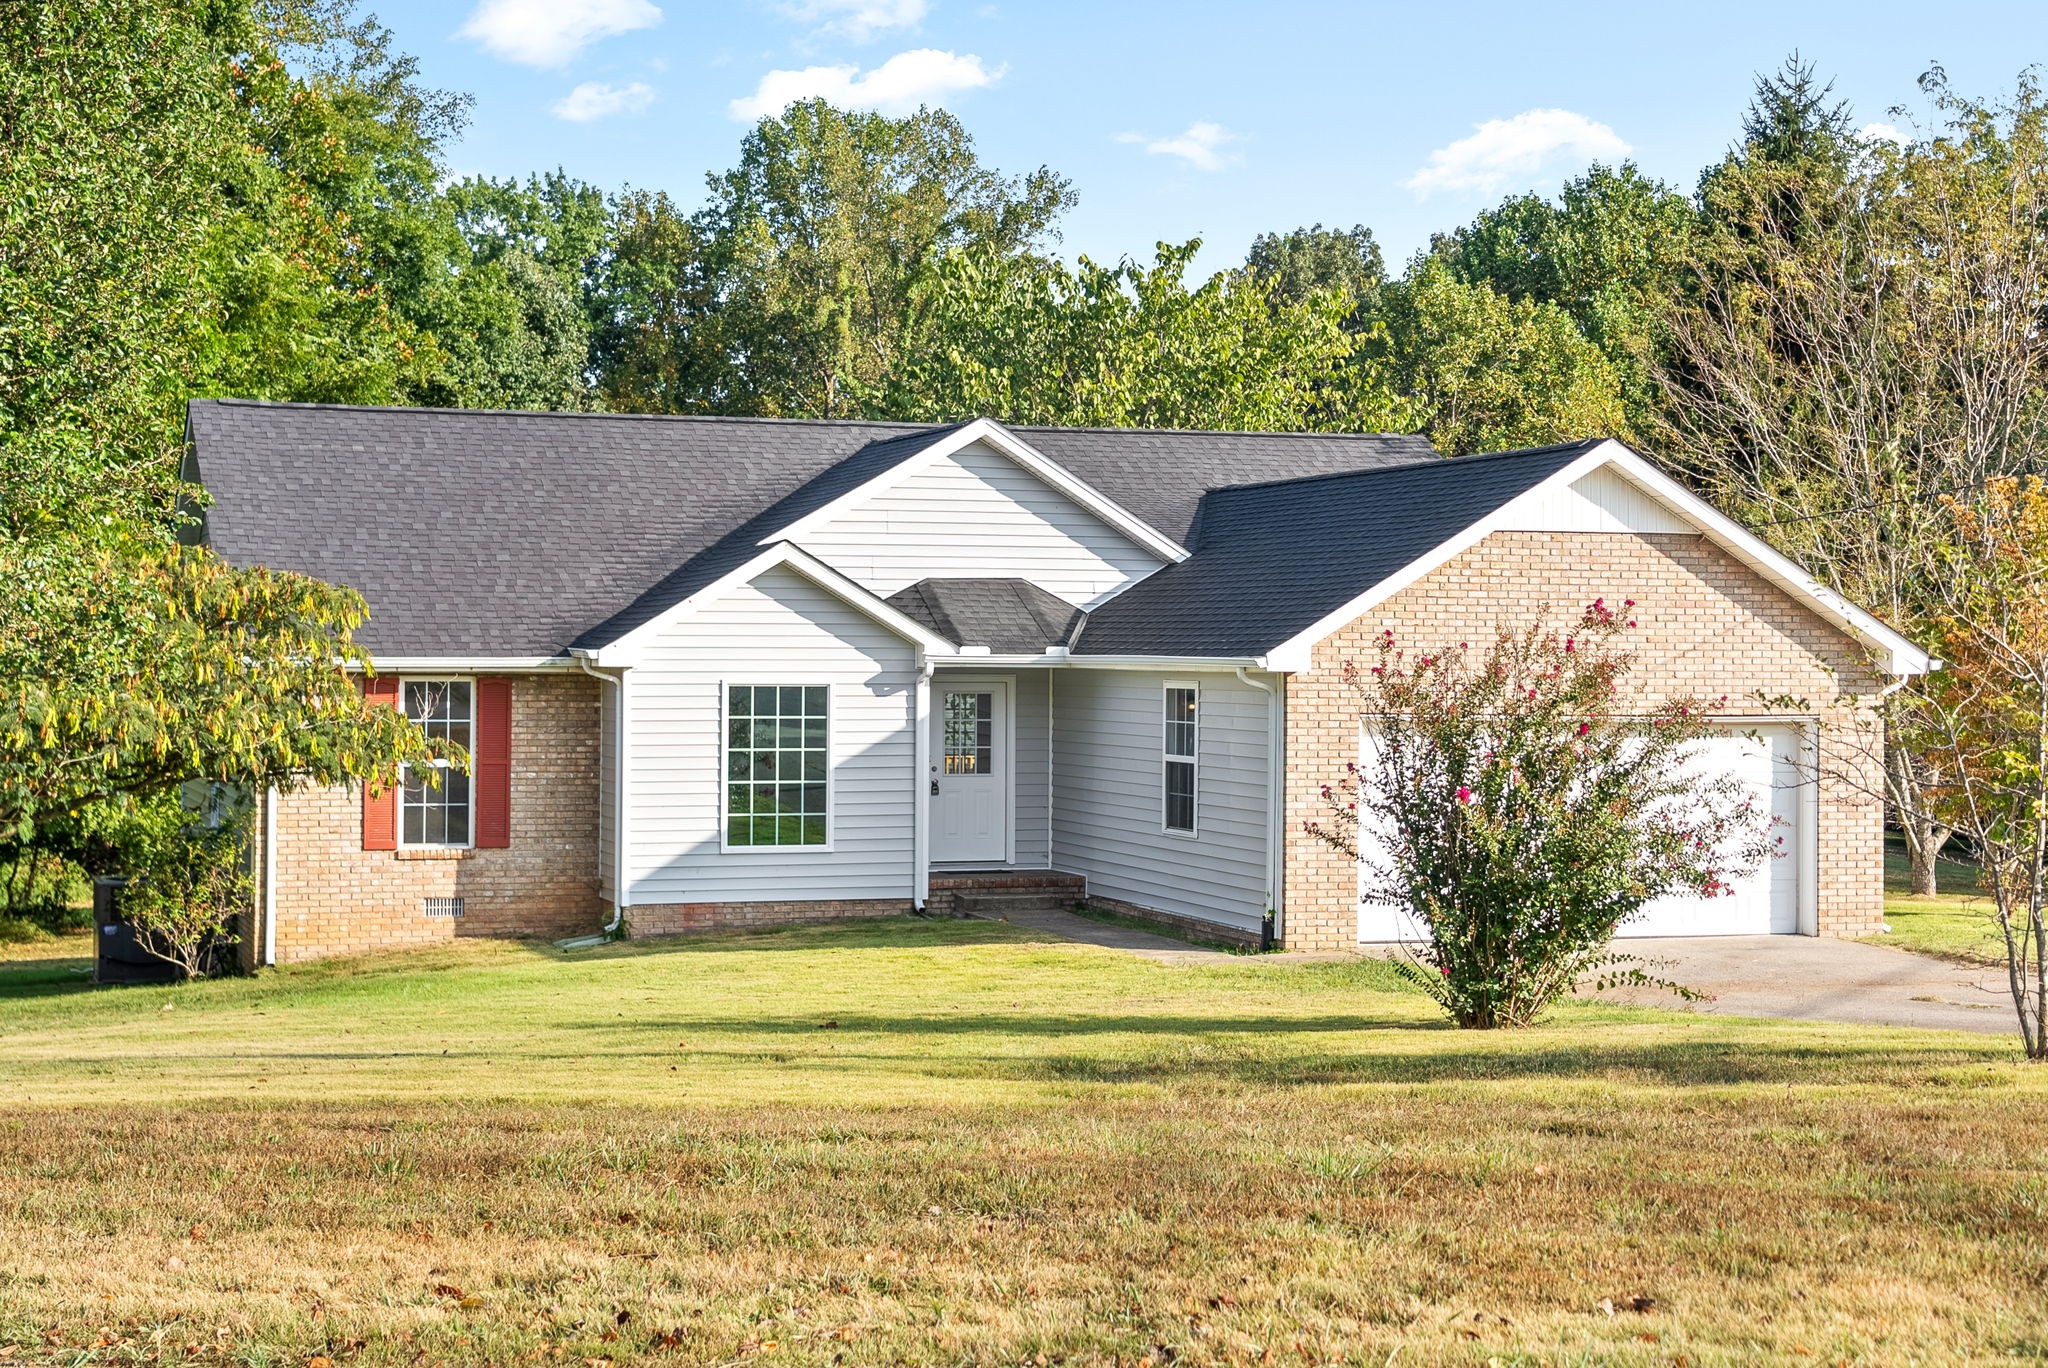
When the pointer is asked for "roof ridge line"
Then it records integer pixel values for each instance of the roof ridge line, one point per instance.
(1213, 432)
(907, 427)
(1520, 452)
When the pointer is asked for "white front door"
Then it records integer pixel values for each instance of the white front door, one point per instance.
(970, 771)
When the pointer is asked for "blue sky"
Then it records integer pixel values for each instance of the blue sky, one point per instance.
(1192, 119)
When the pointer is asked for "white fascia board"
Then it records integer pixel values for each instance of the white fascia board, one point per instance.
(624, 652)
(1062, 660)
(1901, 656)
(1018, 450)
(471, 664)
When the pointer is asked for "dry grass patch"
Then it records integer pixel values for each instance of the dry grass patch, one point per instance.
(918, 1143)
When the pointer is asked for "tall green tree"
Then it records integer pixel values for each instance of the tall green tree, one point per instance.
(129, 664)
(509, 306)
(114, 115)
(1862, 338)
(324, 233)
(1295, 265)
(1610, 252)
(654, 307)
(1480, 371)
(1030, 340)
(811, 248)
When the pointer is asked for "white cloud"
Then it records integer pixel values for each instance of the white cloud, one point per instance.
(1882, 132)
(1505, 150)
(924, 76)
(547, 33)
(858, 20)
(596, 100)
(1201, 147)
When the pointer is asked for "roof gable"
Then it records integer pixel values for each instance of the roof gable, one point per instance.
(514, 534)
(1275, 558)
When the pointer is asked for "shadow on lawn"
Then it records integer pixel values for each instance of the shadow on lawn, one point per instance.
(1291, 1051)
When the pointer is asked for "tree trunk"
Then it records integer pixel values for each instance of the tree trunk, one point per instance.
(1924, 863)
(1925, 837)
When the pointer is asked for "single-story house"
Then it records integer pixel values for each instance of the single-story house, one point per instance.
(724, 672)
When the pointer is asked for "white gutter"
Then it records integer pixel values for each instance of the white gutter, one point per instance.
(1059, 658)
(620, 894)
(920, 795)
(1276, 793)
(470, 664)
(270, 876)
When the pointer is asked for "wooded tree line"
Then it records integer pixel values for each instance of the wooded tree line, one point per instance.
(249, 197)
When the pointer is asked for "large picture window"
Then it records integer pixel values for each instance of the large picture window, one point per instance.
(439, 814)
(1182, 705)
(777, 758)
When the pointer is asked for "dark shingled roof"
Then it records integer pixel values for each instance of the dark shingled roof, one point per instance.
(1273, 559)
(489, 533)
(1009, 616)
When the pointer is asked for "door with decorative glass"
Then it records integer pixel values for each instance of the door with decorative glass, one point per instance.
(970, 775)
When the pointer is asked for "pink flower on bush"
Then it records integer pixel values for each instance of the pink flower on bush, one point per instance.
(1464, 793)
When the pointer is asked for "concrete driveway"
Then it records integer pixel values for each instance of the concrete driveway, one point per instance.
(1811, 979)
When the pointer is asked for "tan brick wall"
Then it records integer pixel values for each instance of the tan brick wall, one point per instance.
(335, 898)
(672, 919)
(1708, 626)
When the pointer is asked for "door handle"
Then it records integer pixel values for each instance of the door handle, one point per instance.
(935, 788)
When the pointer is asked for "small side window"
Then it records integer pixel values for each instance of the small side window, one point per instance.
(1183, 707)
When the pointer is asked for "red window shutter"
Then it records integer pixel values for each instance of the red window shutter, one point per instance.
(491, 763)
(380, 806)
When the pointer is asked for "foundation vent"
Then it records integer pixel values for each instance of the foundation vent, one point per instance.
(444, 907)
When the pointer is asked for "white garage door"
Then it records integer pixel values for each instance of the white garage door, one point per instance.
(1766, 901)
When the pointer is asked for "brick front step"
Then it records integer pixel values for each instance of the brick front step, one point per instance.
(997, 905)
(992, 892)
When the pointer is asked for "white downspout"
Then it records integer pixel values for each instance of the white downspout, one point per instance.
(1276, 795)
(920, 796)
(270, 876)
(620, 895)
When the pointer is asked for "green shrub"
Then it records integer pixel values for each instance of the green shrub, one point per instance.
(1523, 806)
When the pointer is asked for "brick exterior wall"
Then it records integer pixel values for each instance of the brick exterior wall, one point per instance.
(335, 898)
(1709, 626)
(674, 919)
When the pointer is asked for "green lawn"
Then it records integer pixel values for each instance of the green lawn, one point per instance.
(945, 1142)
(1955, 924)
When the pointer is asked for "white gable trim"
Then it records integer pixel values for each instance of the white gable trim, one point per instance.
(1017, 449)
(1899, 656)
(626, 649)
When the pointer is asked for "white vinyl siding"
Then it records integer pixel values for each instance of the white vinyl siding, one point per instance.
(1108, 796)
(979, 515)
(781, 628)
(1603, 500)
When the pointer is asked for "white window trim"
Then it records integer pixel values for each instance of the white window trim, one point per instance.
(1193, 762)
(725, 688)
(469, 844)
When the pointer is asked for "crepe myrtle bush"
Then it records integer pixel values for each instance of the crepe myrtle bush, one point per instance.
(1523, 804)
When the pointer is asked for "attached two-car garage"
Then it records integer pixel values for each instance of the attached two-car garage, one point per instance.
(1768, 758)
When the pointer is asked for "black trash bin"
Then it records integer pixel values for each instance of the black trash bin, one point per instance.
(120, 955)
